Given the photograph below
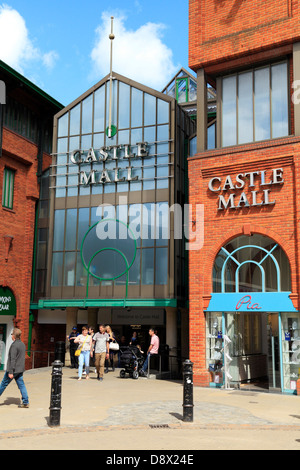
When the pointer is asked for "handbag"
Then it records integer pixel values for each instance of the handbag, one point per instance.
(78, 351)
(114, 346)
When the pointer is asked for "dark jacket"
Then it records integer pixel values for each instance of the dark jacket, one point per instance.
(16, 358)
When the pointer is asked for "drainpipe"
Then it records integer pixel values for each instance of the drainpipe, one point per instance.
(31, 322)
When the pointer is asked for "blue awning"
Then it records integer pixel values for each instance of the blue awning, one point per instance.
(251, 302)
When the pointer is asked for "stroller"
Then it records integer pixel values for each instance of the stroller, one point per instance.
(131, 361)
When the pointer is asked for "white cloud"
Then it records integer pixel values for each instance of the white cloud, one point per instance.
(140, 55)
(16, 47)
(49, 59)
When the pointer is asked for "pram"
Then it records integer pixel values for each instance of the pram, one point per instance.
(131, 361)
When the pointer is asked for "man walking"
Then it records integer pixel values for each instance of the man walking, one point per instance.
(153, 349)
(101, 348)
(15, 367)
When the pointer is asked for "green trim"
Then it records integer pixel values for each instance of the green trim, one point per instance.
(84, 303)
(30, 85)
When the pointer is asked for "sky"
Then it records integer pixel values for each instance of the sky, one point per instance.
(63, 46)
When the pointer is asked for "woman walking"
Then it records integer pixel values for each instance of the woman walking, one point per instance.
(85, 347)
(112, 352)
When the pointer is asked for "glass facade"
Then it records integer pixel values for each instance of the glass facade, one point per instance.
(110, 228)
(139, 117)
(255, 105)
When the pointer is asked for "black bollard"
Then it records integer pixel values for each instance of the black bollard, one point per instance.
(55, 400)
(188, 405)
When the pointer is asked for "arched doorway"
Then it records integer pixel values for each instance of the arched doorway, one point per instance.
(252, 325)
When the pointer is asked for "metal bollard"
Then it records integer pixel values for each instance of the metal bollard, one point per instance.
(55, 400)
(188, 405)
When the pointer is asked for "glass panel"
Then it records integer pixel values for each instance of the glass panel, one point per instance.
(162, 111)
(193, 144)
(57, 264)
(42, 248)
(62, 145)
(148, 228)
(59, 229)
(162, 224)
(181, 85)
(148, 266)
(229, 111)
(161, 266)
(135, 270)
(245, 108)
(211, 139)
(290, 337)
(87, 115)
(124, 105)
(262, 103)
(193, 90)
(63, 124)
(136, 108)
(69, 269)
(214, 356)
(71, 228)
(162, 133)
(75, 120)
(279, 100)
(83, 224)
(99, 110)
(134, 220)
(149, 110)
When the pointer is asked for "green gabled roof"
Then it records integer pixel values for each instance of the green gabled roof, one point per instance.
(30, 85)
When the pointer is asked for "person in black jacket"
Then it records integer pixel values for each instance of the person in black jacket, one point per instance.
(15, 367)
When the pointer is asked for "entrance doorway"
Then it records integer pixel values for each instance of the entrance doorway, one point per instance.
(2, 345)
(251, 351)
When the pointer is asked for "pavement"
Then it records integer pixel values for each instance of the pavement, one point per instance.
(122, 414)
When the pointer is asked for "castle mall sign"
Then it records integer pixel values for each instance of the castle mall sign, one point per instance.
(255, 198)
(104, 154)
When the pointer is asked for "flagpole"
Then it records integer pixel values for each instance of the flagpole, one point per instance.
(111, 37)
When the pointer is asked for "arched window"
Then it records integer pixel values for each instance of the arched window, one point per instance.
(251, 264)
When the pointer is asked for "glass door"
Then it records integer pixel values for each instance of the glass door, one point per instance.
(273, 345)
(2, 345)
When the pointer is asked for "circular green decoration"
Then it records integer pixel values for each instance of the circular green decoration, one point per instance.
(128, 265)
(113, 131)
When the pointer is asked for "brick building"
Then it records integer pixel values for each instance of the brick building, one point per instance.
(244, 282)
(26, 123)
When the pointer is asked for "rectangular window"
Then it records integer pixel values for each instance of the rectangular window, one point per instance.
(8, 188)
(255, 105)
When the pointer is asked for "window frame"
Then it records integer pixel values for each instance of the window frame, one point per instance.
(9, 175)
(253, 70)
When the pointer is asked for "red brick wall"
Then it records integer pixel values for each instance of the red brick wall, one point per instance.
(20, 155)
(222, 30)
(280, 222)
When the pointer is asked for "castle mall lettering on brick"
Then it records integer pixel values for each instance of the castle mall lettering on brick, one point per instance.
(255, 198)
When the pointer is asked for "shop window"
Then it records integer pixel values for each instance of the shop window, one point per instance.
(255, 105)
(8, 188)
(251, 264)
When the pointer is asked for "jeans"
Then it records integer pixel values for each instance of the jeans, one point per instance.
(84, 358)
(145, 365)
(20, 383)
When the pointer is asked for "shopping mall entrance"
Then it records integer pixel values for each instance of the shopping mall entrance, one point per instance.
(252, 351)
(252, 335)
